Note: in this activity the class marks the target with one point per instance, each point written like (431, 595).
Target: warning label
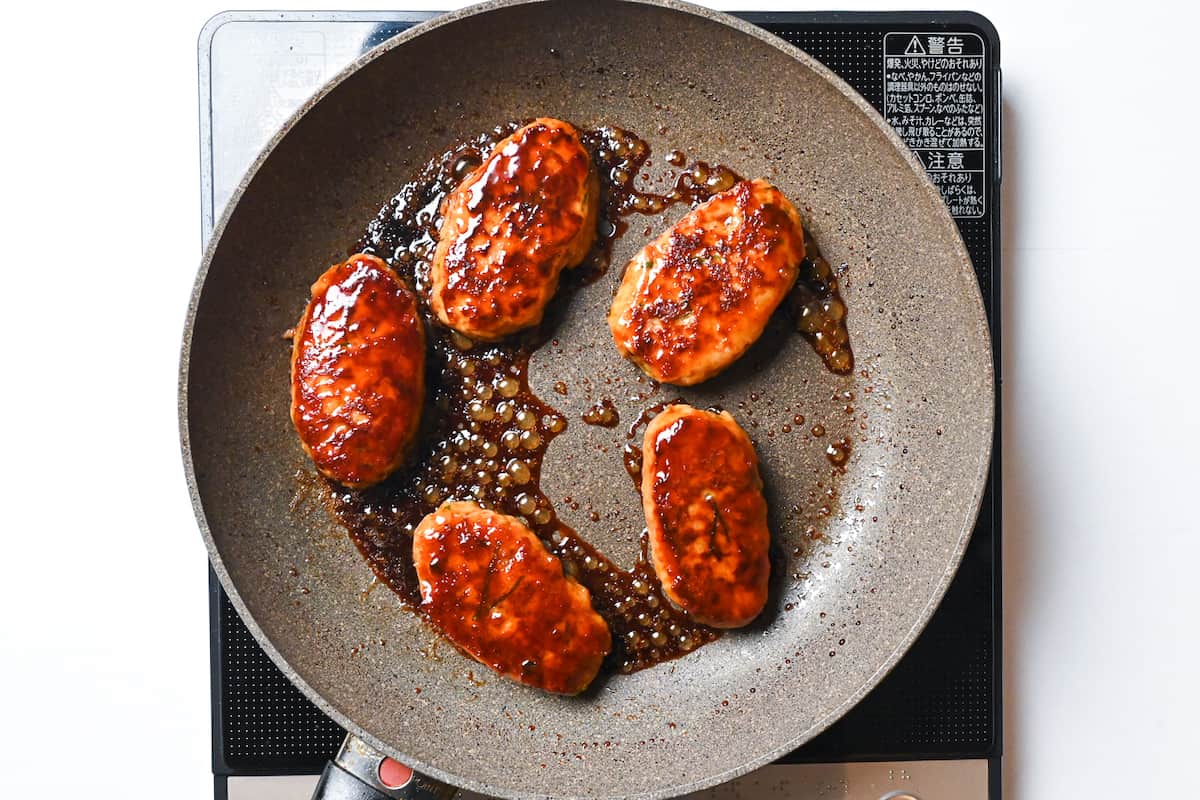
(933, 89)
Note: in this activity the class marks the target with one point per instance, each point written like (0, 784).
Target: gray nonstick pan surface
(864, 553)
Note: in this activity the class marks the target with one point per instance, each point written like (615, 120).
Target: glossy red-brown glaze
(358, 372)
(494, 590)
(468, 452)
(695, 299)
(820, 312)
(511, 227)
(706, 515)
(487, 433)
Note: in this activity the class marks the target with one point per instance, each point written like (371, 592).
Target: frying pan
(863, 554)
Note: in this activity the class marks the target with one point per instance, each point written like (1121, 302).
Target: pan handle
(360, 772)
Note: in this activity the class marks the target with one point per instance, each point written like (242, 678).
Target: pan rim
(980, 331)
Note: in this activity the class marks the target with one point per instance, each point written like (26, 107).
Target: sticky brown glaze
(495, 591)
(358, 372)
(695, 299)
(706, 515)
(820, 312)
(511, 227)
(488, 432)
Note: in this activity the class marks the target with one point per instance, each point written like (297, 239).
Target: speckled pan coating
(720, 90)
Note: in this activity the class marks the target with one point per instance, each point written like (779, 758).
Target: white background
(103, 644)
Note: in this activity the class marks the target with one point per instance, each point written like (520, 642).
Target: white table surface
(103, 645)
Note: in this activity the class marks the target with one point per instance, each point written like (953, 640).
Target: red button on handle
(393, 774)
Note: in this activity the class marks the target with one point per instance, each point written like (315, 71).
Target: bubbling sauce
(603, 414)
(631, 455)
(485, 433)
(819, 311)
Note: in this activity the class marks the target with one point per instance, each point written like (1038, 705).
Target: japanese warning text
(933, 96)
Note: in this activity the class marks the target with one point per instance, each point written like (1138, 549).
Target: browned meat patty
(706, 515)
(358, 372)
(695, 299)
(511, 227)
(494, 590)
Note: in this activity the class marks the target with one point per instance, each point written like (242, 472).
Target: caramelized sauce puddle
(485, 432)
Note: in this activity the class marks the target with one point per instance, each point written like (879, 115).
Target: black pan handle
(360, 772)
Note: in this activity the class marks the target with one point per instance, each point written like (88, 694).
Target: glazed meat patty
(706, 515)
(511, 227)
(358, 372)
(695, 299)
(494, 590)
